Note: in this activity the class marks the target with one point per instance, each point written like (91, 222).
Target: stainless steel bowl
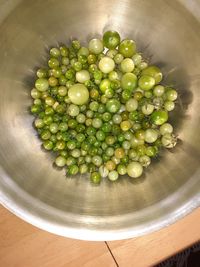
(168, 32)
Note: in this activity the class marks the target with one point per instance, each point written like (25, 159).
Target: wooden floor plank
(150, 249)
(23, 245)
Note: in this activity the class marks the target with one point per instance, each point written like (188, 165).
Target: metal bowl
(168, 33)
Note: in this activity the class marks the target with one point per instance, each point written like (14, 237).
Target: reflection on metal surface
(169, 35)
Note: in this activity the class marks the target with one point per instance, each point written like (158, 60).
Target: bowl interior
(166, 32)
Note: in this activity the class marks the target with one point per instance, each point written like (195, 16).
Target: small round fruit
(134, 169)
(127, 65)
(129, 81)
(95, 177)
(113, 105)
(159, 117)
(171, 95)
(111, 39)
(146, 82)
(41, 84)
(60, 161)
(166, 128)
(113, 175)
(127, 48)
(106, 64)
(169, 140)
(154, 72)
(131, 105)
(151, 136)
(95, 46)
(82, 76)
(78, 94)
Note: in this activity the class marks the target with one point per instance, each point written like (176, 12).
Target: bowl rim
(28, 208)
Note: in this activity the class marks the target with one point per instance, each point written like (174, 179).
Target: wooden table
(23, 245)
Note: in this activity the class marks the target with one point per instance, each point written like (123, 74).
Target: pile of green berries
(102, 109)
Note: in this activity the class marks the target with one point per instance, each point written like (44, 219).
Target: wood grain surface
(150, 249)
(23, 245)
